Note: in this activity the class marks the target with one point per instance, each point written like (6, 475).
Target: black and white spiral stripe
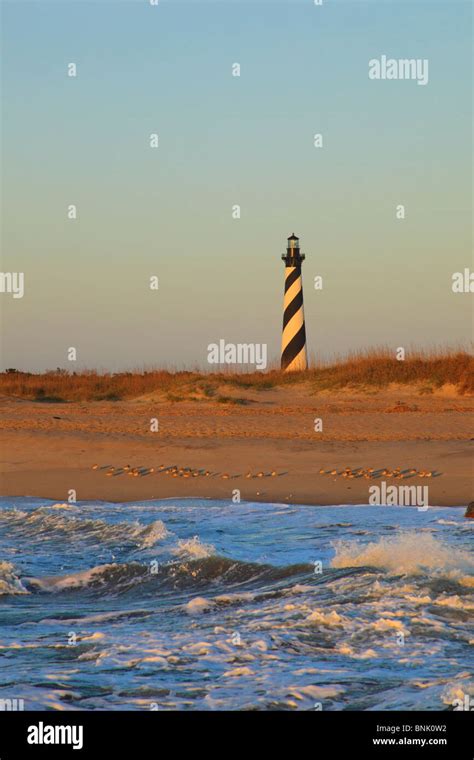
(293, 344)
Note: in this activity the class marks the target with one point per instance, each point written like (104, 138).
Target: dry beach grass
(376, 368)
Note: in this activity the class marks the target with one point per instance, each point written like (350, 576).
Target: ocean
(190, 604)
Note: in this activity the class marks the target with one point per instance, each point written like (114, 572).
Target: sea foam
(406, 553)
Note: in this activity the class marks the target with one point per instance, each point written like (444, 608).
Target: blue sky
(227, 140)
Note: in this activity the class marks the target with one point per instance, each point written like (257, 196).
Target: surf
(406, 553)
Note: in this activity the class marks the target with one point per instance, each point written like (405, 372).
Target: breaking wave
(120, 577)
(9, 581)
(39, 524)
(193, 548)
(407, 553)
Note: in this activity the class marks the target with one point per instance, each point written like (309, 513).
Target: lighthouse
(293, 341)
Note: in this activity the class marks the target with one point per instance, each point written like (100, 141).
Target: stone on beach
(470, 510)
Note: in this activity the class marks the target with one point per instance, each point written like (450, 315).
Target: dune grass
(375, 369)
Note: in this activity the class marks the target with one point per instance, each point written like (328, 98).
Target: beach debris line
(371, 473)
(349, 473)
(178, 472)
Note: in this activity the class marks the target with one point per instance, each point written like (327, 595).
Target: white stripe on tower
(293, 343)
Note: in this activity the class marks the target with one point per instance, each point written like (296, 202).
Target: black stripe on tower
(293, 307)
(292, 277)
(294, 347)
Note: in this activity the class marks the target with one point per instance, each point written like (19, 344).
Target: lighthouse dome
(293, 243)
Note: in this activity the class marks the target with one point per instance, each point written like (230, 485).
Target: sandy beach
(50, 448)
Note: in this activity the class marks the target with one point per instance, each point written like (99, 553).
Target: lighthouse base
(298, 364)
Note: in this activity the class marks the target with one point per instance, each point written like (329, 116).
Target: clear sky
(227, 140)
